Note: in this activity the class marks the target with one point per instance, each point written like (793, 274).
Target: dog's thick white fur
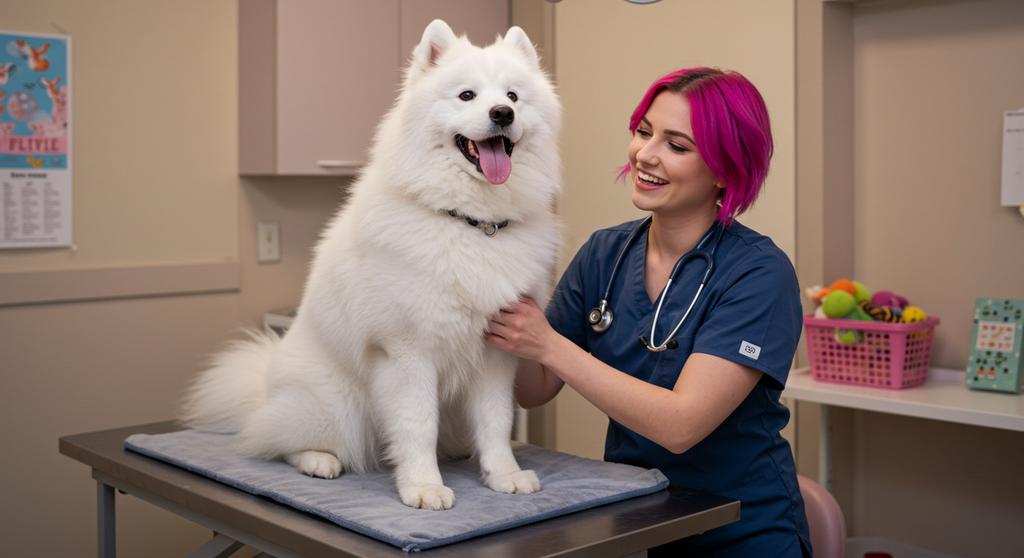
(386, 360)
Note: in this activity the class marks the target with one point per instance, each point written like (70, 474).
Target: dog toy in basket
(890, 299)
(882, 313)
(857, 337)
(817, 293)
(840, 304)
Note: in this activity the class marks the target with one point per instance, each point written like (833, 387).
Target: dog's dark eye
(467, 95)
(512, 95)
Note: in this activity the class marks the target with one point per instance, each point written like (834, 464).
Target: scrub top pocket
(670, 363)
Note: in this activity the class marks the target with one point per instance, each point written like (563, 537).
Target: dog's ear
(517, 38)
(437, 37)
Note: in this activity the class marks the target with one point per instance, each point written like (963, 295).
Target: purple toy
(890, 299)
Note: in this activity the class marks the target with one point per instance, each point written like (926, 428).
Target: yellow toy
(913, 314)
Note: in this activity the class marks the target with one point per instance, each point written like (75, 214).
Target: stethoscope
(600, 318)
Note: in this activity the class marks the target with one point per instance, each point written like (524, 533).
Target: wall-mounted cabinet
(316, 76)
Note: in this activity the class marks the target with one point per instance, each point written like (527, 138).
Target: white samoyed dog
(451, 220)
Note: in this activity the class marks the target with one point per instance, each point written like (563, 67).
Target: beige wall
(154, 122)
(606, 54)
(70, 368)
(154, 97)
(302, 206)
(909, 120)
(931, 82)
(824, 176)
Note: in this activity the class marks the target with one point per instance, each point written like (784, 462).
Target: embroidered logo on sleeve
(750, 350)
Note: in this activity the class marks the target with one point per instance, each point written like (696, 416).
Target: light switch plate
(268, 242)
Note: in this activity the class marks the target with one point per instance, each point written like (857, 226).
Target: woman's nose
(648, 153)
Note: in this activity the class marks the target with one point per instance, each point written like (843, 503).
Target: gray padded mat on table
(369, 504)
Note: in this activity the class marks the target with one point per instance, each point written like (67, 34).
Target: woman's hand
(523, 330)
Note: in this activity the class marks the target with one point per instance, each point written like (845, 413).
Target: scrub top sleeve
(567, 311)
(757, 320)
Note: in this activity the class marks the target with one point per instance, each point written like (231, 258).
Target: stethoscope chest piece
(600, 318)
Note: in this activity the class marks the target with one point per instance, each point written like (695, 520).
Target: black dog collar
(489, 227)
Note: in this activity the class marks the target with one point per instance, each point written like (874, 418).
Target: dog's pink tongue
(495, 163)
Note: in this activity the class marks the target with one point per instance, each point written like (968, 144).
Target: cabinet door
(338, 73)
(481, 20)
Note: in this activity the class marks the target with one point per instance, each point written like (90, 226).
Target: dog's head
(474, 129)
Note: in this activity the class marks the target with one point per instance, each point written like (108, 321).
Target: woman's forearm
(666, 417)
(535, 386)
(655, 413)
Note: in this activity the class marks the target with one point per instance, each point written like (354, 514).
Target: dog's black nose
(502, 115)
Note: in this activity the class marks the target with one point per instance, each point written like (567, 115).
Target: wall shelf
(942, 397)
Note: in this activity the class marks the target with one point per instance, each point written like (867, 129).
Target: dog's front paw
(316, 464)
(427, 496)
(518, 482)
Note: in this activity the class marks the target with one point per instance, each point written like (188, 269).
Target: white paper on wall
(1013, 158)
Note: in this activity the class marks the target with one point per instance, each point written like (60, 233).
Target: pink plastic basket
(885, 355)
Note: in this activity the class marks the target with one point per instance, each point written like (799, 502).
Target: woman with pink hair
(682, 326)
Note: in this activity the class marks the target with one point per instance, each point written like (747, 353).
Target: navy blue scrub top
(748, 313)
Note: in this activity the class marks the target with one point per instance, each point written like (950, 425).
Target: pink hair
(730, 126)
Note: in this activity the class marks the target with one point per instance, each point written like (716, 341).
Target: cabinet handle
(334, 164)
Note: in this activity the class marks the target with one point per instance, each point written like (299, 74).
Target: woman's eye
(467, 95)
(643, 133)
(677, 148)
(512, 95)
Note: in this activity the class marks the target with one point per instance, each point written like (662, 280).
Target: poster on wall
(35, 140)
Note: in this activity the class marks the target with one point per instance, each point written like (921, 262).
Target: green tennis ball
(847, 336)
(837, 304)
(863, 294)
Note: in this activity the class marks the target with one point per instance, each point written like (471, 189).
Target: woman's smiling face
(669, 175)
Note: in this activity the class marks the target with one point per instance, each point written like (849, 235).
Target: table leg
(106, 537)
(825, 448)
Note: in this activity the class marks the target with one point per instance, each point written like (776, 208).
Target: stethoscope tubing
(604, 314)
(657, 312)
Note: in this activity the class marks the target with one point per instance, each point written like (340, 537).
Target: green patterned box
(995, 363)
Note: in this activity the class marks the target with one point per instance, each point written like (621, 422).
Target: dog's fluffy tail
(225, 394)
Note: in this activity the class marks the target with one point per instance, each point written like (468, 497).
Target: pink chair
(824, 518)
